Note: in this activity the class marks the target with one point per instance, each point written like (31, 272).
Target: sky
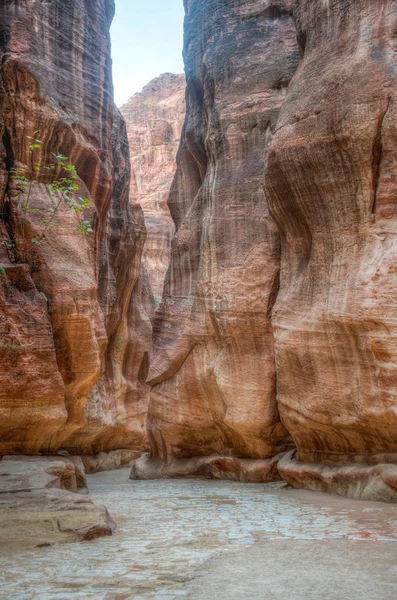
(147, 39)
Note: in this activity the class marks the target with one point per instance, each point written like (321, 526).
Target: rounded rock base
(208, 467)
(359, 482)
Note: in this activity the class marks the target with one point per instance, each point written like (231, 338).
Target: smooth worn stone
(38, 506)
(212, 368)
(47, 517)
(75, 319)
(25, 473)
(103, 461)
(331, 185)
(207, 467)
(361, 482)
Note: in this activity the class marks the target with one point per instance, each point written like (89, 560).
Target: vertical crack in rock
(377, 153)
(6, 230)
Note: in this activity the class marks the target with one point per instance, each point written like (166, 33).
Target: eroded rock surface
(374, 481)
(325, 209)
(208, 467)
(109, 461)
(330, 181)
(213, 362)
(154, 120)
(39, 506)
(74, 318)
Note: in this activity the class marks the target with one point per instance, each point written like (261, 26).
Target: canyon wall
(212, 368)
(279, 315)
(75, 327)
(276, 328)
(154, 120)
(330, 181)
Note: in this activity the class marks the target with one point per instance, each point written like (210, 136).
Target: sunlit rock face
(331, 184)
(154, 120)
(212, 369)
(74, 323)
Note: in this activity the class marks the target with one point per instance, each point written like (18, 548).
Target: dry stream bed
(219, 540)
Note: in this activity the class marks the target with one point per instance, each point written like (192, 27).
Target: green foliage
(63, 188)
(85, 228)
(3, 273)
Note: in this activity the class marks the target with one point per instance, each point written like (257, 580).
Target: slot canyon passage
(198, 306)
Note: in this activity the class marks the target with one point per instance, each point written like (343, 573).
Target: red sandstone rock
(212, 368)
(208, 467)
(29, 473)
(330, 181)
(376, 482)
(74, 335)
(117, 459)
(154, 120)
(75, 323)
(38, 506)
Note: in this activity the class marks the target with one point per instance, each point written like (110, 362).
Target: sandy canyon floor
(216, 540)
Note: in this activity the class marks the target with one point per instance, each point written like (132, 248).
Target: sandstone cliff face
(154, 120)
(331, 186)
(213, 362)
(74, 329)
(295, 160)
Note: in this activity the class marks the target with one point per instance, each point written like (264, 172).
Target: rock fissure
(377, 153)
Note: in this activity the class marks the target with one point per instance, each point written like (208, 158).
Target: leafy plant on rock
(63, 189)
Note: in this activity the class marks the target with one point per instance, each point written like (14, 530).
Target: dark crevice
(195, 91)
(273, 294)
(275, 12)
(9, 157)
(271, 13)
(301, 39)
(5, 206)
(4, 39)
(377, 155)
(280, 84)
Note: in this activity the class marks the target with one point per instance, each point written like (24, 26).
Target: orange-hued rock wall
(331, 184)
(278, 320)
(212, 368)
(154, 120)
(264, 331)
(75, 318)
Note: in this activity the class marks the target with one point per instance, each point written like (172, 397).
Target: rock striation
(74, 314)
(39, 505)
(274, 347)
(279, 315)
(212, 368)
(154, 120)
(330, 181)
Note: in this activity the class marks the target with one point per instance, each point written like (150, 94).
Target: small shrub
(64, 188)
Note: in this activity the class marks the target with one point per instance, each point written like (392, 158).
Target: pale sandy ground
(213, 540)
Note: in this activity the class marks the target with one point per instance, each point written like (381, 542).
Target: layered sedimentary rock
(154, 120)
(73, 315)
(39, 506)
(116, 459)
(212, 369)
(314, 185)
(232, 468)
(331, 186)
